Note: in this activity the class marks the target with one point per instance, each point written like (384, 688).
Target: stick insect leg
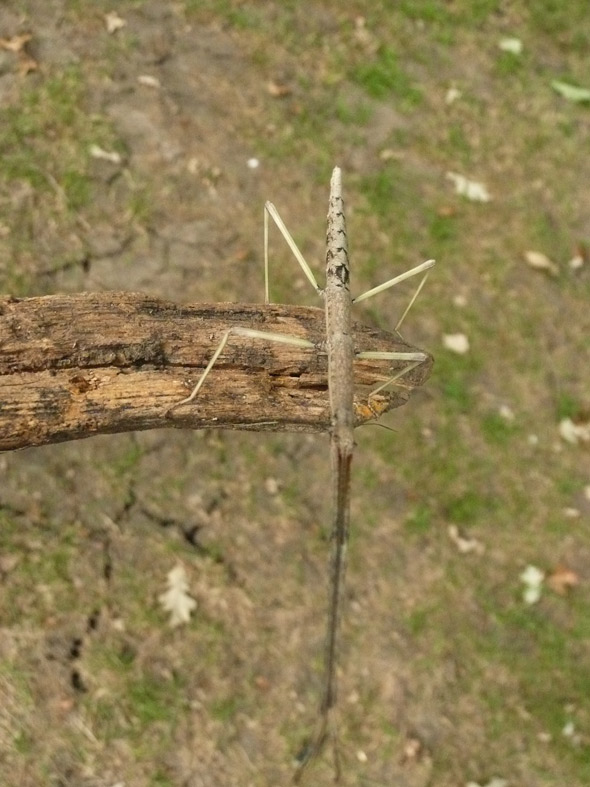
(415, 360)
(253, 334)
(424, 267)
(270, 210)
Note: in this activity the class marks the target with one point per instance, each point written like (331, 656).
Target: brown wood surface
(72, 366)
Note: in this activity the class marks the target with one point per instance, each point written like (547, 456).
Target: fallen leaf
(148, 81)
(16, 43)
(532, 578)
(364, 37)
(541, 262)
(105, 155)
(573, 93)
(176, 600)
(495, 782)
(465, 545)
(471, 189)
(510, 44)
(562, 580)
(572, 513)
(579, 258)
(412, 749)
(574, 433)
(452, 94)
(388, 154)
(262, 682)
(277, 90)
(506, 413)
(272, 486)
(27, 64)
(456, 343)
(113, 22)
(569, 731)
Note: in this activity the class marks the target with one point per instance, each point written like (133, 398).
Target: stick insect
(341, 355)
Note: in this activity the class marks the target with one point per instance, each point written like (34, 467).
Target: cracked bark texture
(72, 366)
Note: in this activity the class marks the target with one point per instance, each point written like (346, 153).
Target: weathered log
(72, 366)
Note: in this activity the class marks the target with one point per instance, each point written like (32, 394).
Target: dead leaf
(572, 513)
(27, 64)
(387, 154)
(532, 579)
(541, 262)
(113, 22)
(465, 545)
(562, 580)
(579, 95)
(573, 432)
(364, 37)
(471, 189)
(106, 155)
(412, 749)
(511, 44)
(579, 258)
(148, 81)
(262, 682)
(452, 94)
(496, 781)
(176, 600)
(506, 413)
(456, 343)
(278, 90)
(16, 43)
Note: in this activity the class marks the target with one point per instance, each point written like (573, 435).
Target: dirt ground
(446, 677)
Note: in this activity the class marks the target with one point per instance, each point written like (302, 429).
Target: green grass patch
(508, 65)
(419, 620)
(154, 699)
(567, 22)
(456, 392)
(44, 139)
(161, 779)
(466, 508)
(442, 231)
(419, 521)
(385, 76)
(496, 429)
(567, 406)
(353, 114)
(430, 11)
(458, 144)
(225, 708)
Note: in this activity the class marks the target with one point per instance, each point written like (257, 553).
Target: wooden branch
(72, 366)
